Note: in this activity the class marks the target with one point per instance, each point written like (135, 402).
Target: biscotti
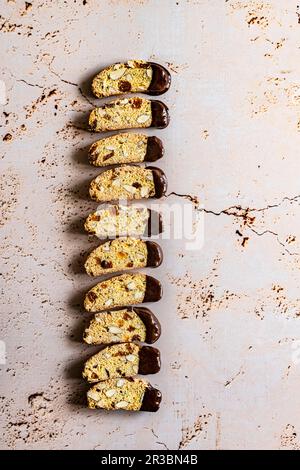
(124, 394)
(129, 113)
(123, 325)
(122, 360)
(123, 290)
(132, 76)
(119, 220)
(125, 148)
(122, 254)
(128, 182)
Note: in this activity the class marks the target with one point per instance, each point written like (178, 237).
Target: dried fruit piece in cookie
(126, 289)
(122, 360)
(123, 325)
(118, 220)
(129, 113)
(132, 76)
(125, 148)
(128, 182)
(123, 254)
(130, 394)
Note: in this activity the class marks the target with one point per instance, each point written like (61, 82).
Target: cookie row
(125, 327)
(129, 113)
(114, 367)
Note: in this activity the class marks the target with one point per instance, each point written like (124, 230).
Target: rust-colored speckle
(9, 27)
(197, 297)
(290, 239)
(176, 68)
(253, 19)
(9, 193)
(289, 438)
(195, 431)
(7, 138)
(205, 134)
(41, 100)
(26, 9)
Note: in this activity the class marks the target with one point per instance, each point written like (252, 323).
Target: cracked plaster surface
(230, 311)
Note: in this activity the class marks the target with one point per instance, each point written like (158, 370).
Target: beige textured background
(230, 377)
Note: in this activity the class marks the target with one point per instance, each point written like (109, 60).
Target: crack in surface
(237, 207)
(241, 212)
(85, 97)
(248, 221)
(260, 234)
(163, 444)
(34, 85)
(189, 197)
(229, 382)
(68, 82)
(244, 213)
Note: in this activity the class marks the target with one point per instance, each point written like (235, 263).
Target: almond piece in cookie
(122, 360)
(123, 254)
(129, 113)
(125, 148)
(126, 289)
(130, 394)
(136, 76)
(123, 325)
(128, 182)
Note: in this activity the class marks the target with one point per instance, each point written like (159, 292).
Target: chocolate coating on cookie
(160, 181)
(161, 80)
(155, 149)
(153, 291)
(149, 360)
(153, 328)
(154, 254)
(160, 114)
(151, 400)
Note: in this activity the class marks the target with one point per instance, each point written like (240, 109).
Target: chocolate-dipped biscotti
(126, 289)
(125, 148)
(135, 76)
(128, 182)
(129, 113)
(123, 325)
(122, 360)
(118, 220)
(123, 254)
(124, 394)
